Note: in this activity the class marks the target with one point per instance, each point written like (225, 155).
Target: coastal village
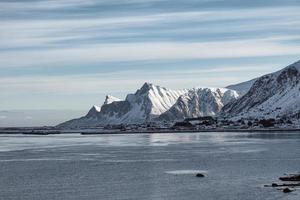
(206, 123)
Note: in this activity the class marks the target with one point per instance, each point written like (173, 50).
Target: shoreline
(36, 131)
(192, 131)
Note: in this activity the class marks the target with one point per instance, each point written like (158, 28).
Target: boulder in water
(200, 175)
(287, 190)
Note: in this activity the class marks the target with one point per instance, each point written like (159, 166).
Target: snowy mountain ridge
(273, 95)
(242, 88)
(109, 99)
(152, 102)
(199, 102)
(147, 103)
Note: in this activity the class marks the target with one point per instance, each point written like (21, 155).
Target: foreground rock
(287, 190)
(295, 177)
(283, 185)
(200, 175)
(294, 181)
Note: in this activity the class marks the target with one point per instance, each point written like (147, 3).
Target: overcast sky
(68, 54)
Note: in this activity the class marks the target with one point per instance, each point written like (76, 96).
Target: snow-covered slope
(147, 103)
(199, 102)
(242, 88)
(273, 95)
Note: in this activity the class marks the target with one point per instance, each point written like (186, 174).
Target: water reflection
(21, 142)
(270, 135)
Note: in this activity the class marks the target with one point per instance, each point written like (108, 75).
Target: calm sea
(147, 166)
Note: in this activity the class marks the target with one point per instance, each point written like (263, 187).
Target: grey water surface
(147, 166)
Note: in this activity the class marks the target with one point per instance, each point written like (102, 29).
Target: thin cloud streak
(99, 83)
(43, 5)
(147, 51)
(33, 32)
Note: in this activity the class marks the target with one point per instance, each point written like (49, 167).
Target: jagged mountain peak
(210, 89)
(109, 99)
(153, 99)
(96, 108)
(216, 91)
(147, 87)
(199, 102)
(93, 111)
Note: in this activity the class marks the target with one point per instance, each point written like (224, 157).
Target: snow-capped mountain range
(146, 104)
(273, 95)
(200, 102)
(152, 103)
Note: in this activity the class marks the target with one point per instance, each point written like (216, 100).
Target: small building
(205, 120)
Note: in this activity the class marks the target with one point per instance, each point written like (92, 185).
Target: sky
(66, 55)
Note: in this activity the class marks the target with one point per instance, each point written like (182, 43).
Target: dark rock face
(144, 89)
(93, 112)
(289, 76)
(117, 108)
